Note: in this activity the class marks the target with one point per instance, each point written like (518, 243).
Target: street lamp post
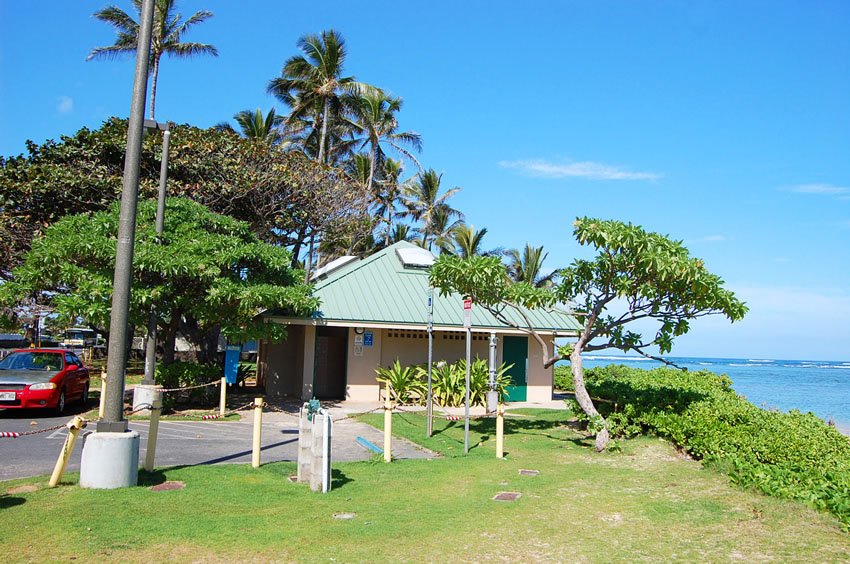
(150, 345)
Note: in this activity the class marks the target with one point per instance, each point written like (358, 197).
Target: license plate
(7, 396)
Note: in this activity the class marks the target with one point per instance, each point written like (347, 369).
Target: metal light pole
(492, 394)
(113, 420)
(467, 322)
(430, 409)
(150, 345)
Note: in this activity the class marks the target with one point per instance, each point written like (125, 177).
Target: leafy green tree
(283, 196)
(255, 125)
(166, 37)
(635, 276)
(312, 85)
(386, 197)
(423, 202)
(207, 272)
(374, 121)
(527, 266)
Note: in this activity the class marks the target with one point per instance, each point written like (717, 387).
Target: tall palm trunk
(372, 156)
(154, 76)
(323, 137)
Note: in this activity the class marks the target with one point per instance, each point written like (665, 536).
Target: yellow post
(258, 429)
(102, 393)
(388, 427)
(500, 431)
(153, 430)
(222, 403)
(74, 427)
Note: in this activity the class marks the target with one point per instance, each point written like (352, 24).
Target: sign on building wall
(368, 338)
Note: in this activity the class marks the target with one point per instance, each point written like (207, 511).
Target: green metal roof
(380, 289)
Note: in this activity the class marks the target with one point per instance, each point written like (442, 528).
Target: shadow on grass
(339, 479)
(11, 501)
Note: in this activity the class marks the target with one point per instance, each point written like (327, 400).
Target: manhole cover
(507, 496)
(345, 515)
(293, 479)
(168, 486)
(529, 472)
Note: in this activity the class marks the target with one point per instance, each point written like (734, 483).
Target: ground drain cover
(168, 486)
(293, 479)
(529, 472)
(507, 496)
(345, 515)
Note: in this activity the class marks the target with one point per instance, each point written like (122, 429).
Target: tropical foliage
(793, 455)
(166, 37)
(207, 274)
(651, 277)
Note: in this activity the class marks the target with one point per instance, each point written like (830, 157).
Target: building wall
(289, 375)
(539, 379)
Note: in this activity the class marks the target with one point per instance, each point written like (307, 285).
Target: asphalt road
(186, 442)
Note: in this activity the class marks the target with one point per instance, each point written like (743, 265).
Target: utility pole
(113, 420)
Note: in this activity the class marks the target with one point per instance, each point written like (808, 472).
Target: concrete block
(110, 460)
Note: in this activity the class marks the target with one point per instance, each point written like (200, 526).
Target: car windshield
(32, 361)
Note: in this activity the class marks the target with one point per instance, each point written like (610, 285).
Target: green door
(515, 351)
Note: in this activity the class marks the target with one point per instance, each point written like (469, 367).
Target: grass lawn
(644, 503)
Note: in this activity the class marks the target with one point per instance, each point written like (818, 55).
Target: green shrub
(404, 383)
(792, 455)
(563, 378)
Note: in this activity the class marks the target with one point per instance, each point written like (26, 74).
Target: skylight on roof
(335, 264)
(415, 257)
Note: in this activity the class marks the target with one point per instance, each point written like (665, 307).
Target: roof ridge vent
(333, 266)
(415, 257)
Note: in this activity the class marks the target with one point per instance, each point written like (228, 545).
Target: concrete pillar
(309, 362)
(110, 460)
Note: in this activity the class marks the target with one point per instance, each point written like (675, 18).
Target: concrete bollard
(153, 430)
(258, 430)
(223, 403)
(305, 443)
(102, 393)
(500, 431)
(388, 428)
(74, 427)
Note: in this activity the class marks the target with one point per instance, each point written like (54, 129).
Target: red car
(42, 378)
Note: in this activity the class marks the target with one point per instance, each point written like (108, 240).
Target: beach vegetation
(636, 275)
(791, 455)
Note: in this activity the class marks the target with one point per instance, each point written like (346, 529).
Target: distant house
(374, 311)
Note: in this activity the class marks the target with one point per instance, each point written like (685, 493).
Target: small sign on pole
(467, 312)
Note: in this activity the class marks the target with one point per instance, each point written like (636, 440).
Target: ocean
(821, 387)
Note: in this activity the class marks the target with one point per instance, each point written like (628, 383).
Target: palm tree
(441, 228)
(386, 195)
(401, 232)
(528, 265)
(467, 241)
(253, 125)
(374, 120)
(167, 31)
(422, 200)
(312, 84)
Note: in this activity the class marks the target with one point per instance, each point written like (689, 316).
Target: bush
(792, 455)
(404, 383)
(185, 374)
(448, 382)
(563, 378)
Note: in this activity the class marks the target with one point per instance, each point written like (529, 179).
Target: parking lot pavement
(189, 442)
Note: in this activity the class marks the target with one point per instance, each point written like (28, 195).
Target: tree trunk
(296, 248)
(372, 158)
(169, 340)
(584, 401)
(308, 264)
(324, 134)
(154, 76)
(208, 353)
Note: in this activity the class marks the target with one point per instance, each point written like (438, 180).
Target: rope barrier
(15, 435)
(208, 384)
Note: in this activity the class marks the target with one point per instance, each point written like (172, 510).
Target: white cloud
(65, 105)
(585, 169)
(821, 189)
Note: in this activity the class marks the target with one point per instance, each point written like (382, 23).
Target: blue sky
(724, 124)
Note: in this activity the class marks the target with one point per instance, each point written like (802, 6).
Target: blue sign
(231, 362)
(368, 337)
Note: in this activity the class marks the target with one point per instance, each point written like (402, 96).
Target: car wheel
(60, 405)
(84, 399)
